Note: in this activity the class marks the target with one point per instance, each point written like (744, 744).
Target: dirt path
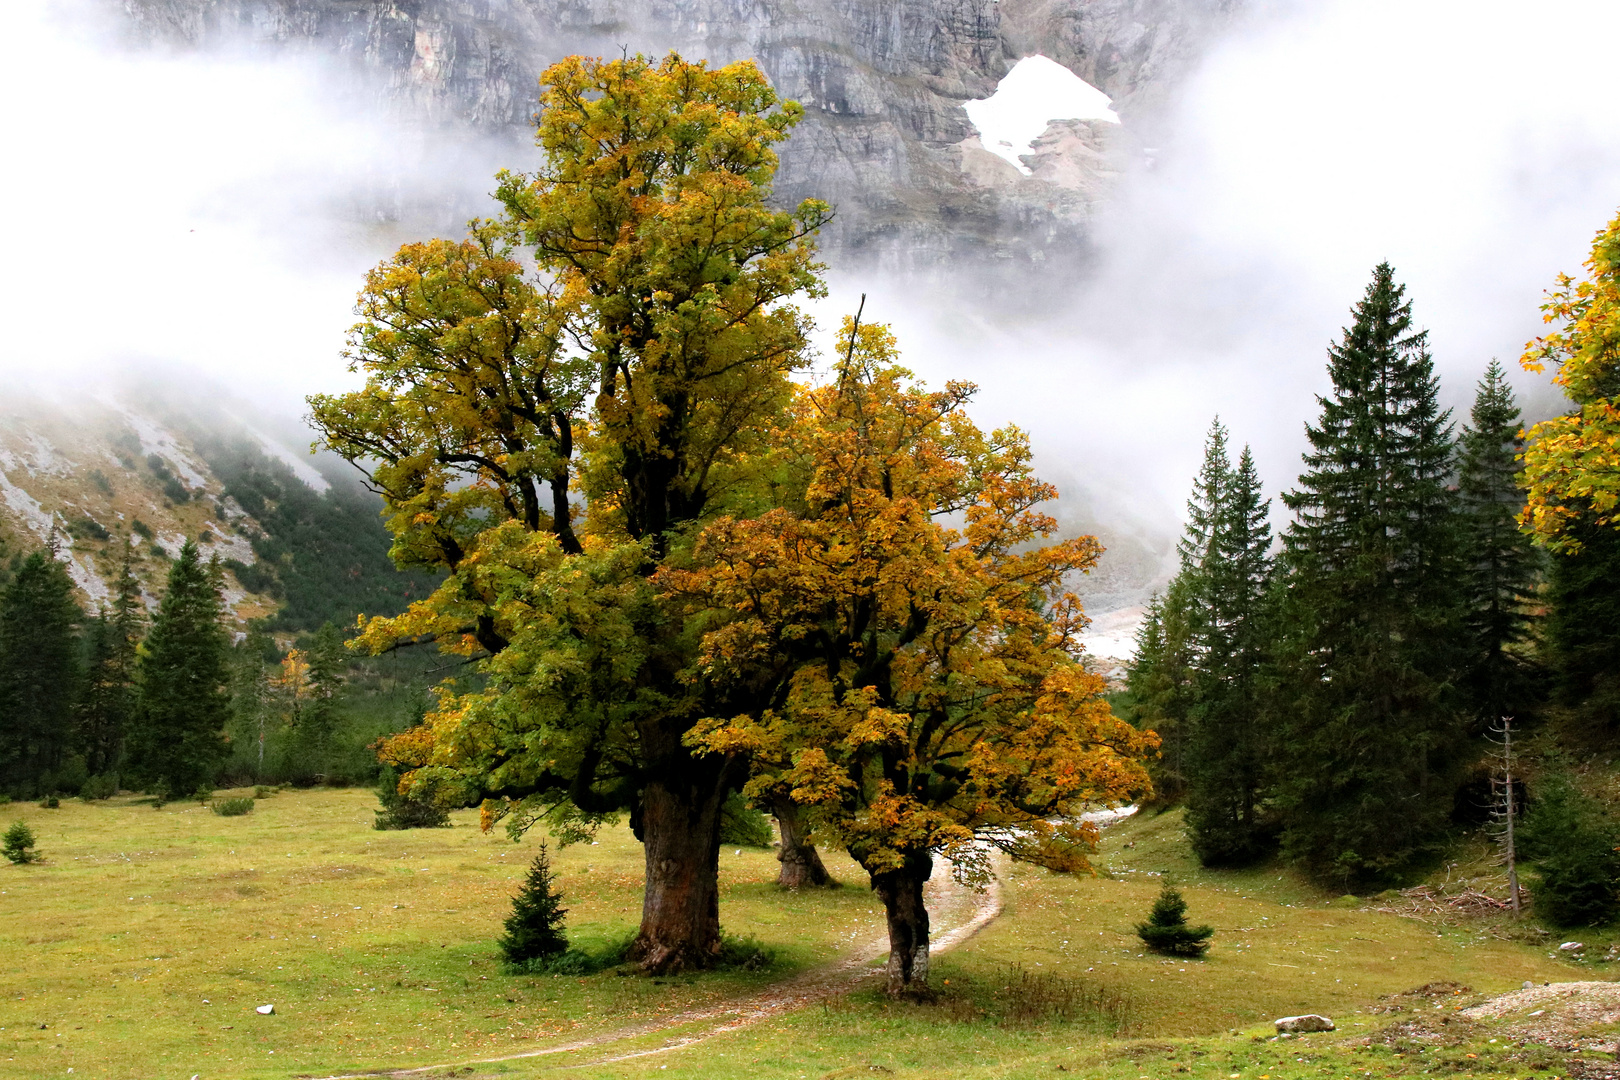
(963, 911)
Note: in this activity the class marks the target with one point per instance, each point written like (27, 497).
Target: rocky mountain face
(95, 478)
(885, 138)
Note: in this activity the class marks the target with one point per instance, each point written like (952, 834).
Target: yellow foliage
(1572, 465)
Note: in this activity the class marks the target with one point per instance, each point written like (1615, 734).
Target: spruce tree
(1502, 565)
(183, 699)
(1166, 931)
(1373, 741)
(1159, 684)
(107, 702)
(39, 673)
(1230, 737)
(534, 930)
(1583, 634)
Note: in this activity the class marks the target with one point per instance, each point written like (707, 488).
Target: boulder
(1308, 1022)
(265, 1010)
(1572, 946)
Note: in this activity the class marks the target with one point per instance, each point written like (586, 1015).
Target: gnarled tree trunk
(801, 862)
(901, 891)
(679, 827)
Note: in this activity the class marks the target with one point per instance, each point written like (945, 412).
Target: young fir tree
(18, 844)
(1374, 737)
(39, 673)
(1166, 931)
(534, 930)
(1502, 564)
(1229, 742)
(1583, 633)
(107, 701)
(183, 700)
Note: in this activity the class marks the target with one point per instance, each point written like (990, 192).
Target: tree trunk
(679, 826)
(901, 891)
(801, 862)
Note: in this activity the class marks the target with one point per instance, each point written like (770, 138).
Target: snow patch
(1035, 92)
(300, 466)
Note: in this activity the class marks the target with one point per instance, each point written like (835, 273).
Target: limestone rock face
(885, 139)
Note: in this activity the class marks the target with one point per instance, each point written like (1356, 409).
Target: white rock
(1308, 1022)
(1571, 946)
(1528, 984)
(265, 1010)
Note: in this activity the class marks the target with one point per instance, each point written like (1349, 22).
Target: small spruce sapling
(534, 930)
(1166, 930)
(18, 845)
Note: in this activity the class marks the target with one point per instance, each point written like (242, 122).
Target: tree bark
(801, 862)
(901, 891)
(679, 826)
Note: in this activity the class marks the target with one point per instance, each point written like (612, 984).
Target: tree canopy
(1572, 465)
(636, 365)
(920, 683)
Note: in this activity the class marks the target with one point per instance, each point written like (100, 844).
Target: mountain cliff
(91, 477)
(884, 139)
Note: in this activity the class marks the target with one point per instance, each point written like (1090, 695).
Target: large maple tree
(905, 623)
(549, 433)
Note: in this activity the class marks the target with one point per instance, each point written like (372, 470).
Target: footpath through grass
(148, 937)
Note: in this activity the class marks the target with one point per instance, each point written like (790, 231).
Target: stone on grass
(265, 1010)
(1308, 1022)
(1572, 946)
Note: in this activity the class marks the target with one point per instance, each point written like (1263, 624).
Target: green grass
(147, 937)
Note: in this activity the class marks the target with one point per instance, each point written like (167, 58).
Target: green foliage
(534, 930)
(142, 529)
(742, 825)
(18, 844)
(39, 673)
(421, 806)
(1223, 588)
(1166, 930)
(1583, 633)
(183, 700)
(1372, 618)
(50, 802)
(324, 555)
(1569, 839)
(577, 960)
(106, 703)
(103, 786)
(232, 807)
(1160, 686)
(1503, 566)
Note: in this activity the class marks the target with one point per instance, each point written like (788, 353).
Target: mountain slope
(91, 476)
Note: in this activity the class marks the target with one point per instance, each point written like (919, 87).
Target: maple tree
(1572, 463)
(550, 435)
(919, 684)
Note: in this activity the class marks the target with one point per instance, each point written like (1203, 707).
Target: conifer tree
(39, 672)
(108, 698)
(1160, 684)
(1372, 556)
(183, 700)
(1501, 561)
(534, 930)
(1230, 738)
(1166, 930)
(1583, 632)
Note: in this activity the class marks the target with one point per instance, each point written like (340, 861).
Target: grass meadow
(144, 942)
